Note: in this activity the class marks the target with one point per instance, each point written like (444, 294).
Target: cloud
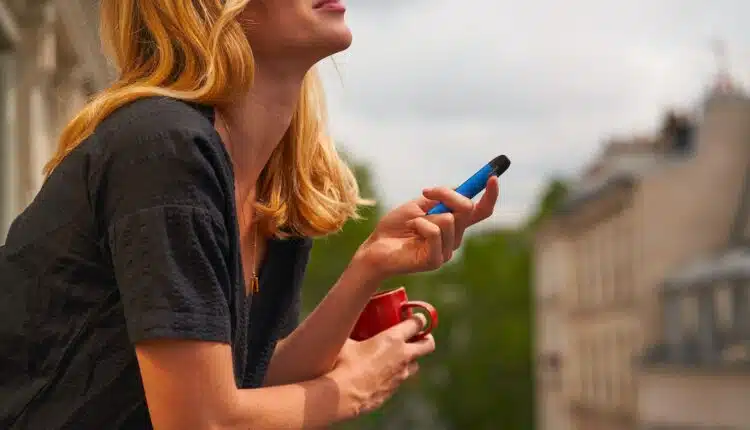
(432, 90)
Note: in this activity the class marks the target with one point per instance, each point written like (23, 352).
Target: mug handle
(429, 310)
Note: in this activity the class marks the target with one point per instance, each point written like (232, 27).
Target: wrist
(350, 401)
(365, 267)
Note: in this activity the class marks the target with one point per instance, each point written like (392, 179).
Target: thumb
(408, 328)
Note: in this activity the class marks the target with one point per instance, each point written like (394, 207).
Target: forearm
(314, 404)
(322, 334)
(191, 385)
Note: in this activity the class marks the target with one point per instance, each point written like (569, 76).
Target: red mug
(386, 309)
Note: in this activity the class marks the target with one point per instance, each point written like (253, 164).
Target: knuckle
(434, 231)
(392, 338)
(483, 215)
(400, 350)
(403, 362)
(430, 343)
(449, 219)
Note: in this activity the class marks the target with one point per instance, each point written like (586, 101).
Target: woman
(154, 280)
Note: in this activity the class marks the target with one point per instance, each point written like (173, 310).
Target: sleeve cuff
(171, 325)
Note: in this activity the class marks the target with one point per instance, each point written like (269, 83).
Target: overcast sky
(433, 89)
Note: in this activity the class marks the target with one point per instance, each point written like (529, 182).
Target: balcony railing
(731, 351)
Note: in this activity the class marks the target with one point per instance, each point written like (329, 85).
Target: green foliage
(551, 198)
(331, 254)
(481, 375)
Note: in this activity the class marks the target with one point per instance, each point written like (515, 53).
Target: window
(689, 315)
(741, 310)
(723, 307)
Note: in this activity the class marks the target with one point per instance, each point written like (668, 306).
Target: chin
(336, 39)
(343, 41)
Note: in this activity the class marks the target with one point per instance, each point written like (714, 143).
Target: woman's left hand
(407, 241)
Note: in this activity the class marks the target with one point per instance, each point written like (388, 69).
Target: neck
(253, 124)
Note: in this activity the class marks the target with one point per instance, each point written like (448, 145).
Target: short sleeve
(162, 201)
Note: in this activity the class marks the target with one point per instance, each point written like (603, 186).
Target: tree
(552, 197)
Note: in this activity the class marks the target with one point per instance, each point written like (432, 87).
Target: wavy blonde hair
(196, 50)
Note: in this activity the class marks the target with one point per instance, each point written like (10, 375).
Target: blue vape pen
(475, 184)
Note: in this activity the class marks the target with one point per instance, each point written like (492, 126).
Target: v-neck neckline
(270, 243)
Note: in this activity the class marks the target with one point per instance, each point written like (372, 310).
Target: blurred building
(643, 281)
(50, 62)
(698, 374)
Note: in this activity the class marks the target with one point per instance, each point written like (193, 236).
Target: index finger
(450, 198)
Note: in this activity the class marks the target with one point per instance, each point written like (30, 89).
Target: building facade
(50, 63)
(647, 210)
(698, 375)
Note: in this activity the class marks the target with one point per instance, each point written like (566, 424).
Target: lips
(326, 3)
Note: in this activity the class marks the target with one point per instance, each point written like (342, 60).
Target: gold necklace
(254, 286)
(254, 282)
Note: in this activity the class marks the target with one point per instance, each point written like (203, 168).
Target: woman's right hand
(369, 372)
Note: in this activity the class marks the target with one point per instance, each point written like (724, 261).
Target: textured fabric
(133, 237)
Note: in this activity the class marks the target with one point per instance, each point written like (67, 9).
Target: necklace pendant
(254, 285)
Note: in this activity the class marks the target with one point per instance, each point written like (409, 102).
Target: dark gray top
(134, 236)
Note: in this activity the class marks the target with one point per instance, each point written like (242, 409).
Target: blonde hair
(196, 50)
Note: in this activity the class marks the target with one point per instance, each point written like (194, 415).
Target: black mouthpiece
(500, 164)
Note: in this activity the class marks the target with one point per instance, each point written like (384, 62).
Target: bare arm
(190, 384)
(197, 379)
(404, 242)
(323, 333)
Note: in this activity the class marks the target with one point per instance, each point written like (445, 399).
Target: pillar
(9, 48)
(35, 67)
